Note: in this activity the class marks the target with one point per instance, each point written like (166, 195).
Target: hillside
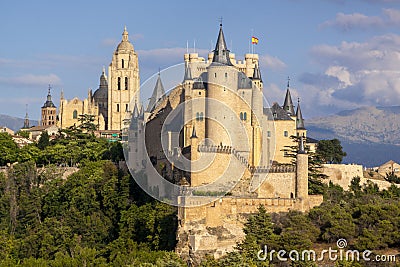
(14, 123)
(370, 135)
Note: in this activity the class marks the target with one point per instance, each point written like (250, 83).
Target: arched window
(117, 107)
(285, 133)
(245, 116)
(126, 108)
(241, 116)
(75, 114)
(197, 116)
(126, 83)
(201, 116)
(119, 83)
(122, 63)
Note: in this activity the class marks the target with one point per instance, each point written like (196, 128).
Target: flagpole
(252, 45)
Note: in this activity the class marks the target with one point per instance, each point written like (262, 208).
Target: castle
(212, 136)
(219, 150)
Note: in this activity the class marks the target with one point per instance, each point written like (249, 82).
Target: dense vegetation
(365, 216)
(96, 217)
(100, 217)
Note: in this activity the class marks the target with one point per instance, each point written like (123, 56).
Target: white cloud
(356, 74)
(271, 62)
(388, 18)
(348, 22)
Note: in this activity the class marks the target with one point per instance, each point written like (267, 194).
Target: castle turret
(288, 104)
(300, 128)
(222, 84)
(302, 171)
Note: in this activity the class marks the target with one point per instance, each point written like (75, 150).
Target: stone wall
(215, 228)
(342, 174)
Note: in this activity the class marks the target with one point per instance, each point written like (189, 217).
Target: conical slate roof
(288, 104)
(299, 118)
(158, 93)
(221, 52)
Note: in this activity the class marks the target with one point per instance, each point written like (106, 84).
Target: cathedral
(110, 104)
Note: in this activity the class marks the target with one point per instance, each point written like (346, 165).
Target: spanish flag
(254, 40)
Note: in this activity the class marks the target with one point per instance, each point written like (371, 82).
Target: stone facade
(218, 118)
(111, 102)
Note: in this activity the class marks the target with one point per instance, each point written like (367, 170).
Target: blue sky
(340, 54)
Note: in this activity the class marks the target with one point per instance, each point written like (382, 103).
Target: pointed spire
(125, 34)
(49, 94)
(299, 117)
(221, 52)
(26, 120)
(301, 146)
(188, 72)
(288, 104)
(158, 93)
(135, 113)
(141, 112)
(62, 94)
(194, 135)
(103, 79)
(49, 102)
(257, 73)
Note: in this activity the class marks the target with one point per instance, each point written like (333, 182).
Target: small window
(199, 93)
(241, 116)
(201, 116)
(119, 83)
(75, 114)
(245, 116)
(117, 107)
(126, 83)
(126, 108)
(122, 63)
(226, 75)
(268, 133)
(285, 133)
(215, 75)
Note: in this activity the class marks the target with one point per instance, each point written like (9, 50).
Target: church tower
(123, 83)
(48, 111)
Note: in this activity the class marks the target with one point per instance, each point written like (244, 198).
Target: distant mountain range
(369, 135)
(14, 123)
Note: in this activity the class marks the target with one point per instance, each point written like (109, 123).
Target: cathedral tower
(48, 111)
(123, 83)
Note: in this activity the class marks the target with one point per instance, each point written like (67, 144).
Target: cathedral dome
(101, 92)
(125, 45)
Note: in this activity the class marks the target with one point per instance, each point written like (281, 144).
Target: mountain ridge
(14, 123)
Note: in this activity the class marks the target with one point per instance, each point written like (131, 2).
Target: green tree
(87, 122)
(8, 149)
(44, 140)
(259, 231)
(330, 151)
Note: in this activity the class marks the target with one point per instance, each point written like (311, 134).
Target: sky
(339, 54)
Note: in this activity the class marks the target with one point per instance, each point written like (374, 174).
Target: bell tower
(123, 83)
(48, 111)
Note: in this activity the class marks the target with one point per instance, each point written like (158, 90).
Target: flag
(254, 40)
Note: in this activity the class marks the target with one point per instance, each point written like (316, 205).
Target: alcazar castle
(211, 133)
